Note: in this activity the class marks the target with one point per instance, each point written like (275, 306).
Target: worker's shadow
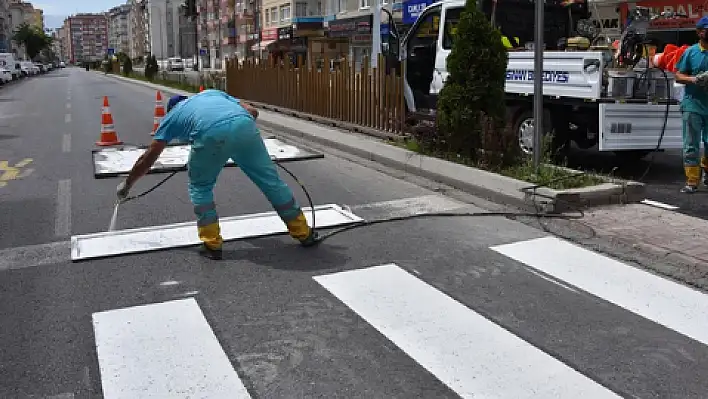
(284, 254)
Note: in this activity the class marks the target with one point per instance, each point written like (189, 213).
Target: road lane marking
(62, 224)
(66, 143)
(162, 350)
(15, 172)
(67, 118)
(659, 204)
(665, 302)
(68, 105)
(470, 354)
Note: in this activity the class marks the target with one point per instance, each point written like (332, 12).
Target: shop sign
(412, 9)
(694, 9)
(269, 34)
(308, 29)
(285, 33)
(351, 26)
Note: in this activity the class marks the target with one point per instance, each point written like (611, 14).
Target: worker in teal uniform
(218, 127)
(692, 71)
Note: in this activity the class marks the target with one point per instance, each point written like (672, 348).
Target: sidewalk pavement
(665, 234)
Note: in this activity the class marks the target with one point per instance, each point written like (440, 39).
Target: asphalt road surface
(423, 308)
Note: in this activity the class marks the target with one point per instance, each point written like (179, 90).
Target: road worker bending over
(218, 127)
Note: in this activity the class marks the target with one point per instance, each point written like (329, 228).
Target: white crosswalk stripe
(169, 350)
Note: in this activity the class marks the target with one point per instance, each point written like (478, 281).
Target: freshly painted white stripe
(665, 302)
(62, 224)
(67, 118)
(35, 255)
(411, 206)
(66, 143)
(176, 235)
(473, 356)
(162, 350)
(68, 105)
(659, 204)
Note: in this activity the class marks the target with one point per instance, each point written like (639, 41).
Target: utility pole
(538, 85)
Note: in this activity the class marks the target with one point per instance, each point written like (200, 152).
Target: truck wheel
(523, 126)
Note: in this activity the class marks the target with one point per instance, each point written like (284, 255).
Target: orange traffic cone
(108, 130)
(159, 113)
(201, 88)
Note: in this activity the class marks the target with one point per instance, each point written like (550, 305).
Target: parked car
(5, 75)
(175, 64)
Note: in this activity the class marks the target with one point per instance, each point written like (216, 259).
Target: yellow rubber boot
(298, 227)
(211, 236)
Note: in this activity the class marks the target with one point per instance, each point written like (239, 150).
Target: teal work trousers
(239, 140)
(695, 132)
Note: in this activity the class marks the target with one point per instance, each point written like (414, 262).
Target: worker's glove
(122, 191)
(702, 79)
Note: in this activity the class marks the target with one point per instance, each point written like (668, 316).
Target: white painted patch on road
(411, 206)
(665, 302)
(68, 105)
(162, 350)
(470, 354)
(66, 143)
(67, 118)
(659, 204)
(35, 255)
(177, 235)
(62, 223)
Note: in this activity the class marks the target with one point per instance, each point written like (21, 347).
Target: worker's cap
(702, 23)
(173, 101)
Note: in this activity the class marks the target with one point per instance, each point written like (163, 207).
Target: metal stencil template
(113, 162)
(153, 238)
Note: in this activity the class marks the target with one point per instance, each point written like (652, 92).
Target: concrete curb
(491, 186)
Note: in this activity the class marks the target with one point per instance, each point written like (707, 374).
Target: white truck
(578, 104)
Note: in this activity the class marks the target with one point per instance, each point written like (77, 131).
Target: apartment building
(164, 27)
(119, 29)
(139, 25)
(20, 12)
(59, 44)
(5, 26)
(37, 18)
(87, 37)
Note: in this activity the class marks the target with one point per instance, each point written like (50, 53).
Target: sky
(56, 10)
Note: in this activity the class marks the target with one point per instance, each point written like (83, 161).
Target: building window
(274, 15)
(285, 12)
(267, 18)
(364, 4)
(342, 5)
(300, 9)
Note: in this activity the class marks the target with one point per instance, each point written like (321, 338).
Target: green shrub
(471, 113)
(127, 66)
(151, 67)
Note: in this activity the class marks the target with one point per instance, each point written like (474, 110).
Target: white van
(7, 60)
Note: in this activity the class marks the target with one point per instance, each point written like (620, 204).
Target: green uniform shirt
(694, 61)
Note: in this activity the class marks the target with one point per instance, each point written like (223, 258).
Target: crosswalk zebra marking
(470, 354)
(660, 300)
(162, 350)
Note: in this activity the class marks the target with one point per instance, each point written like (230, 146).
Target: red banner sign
(694, 9)
(269, 34)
